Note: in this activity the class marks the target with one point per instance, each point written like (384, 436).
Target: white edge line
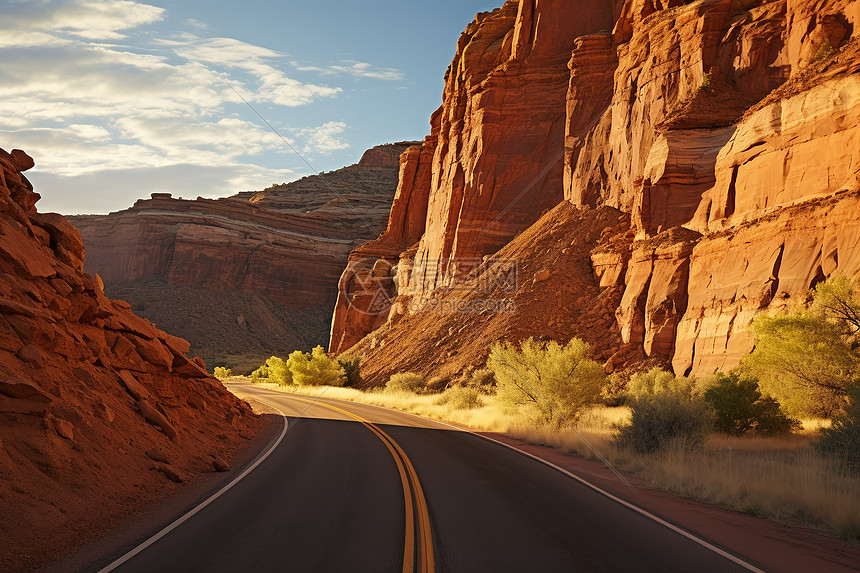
(149, 542)
(637, 509)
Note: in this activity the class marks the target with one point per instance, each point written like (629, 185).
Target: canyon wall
(725, 131)
(251, 275)
(99, 410)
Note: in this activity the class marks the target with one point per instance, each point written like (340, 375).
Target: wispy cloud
(324, 138)
(98, 86)
(353, 68)
(90, 19)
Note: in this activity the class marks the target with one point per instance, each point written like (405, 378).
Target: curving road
(353, 487)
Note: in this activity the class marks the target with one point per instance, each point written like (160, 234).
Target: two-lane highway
(353, 487)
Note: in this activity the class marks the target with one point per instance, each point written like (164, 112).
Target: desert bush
(825, 50)
(260, 374)
(405, 382)
(279, 371)
(352, 370)
(222, 373)
(842, 439)
(483, 380)
(436, 385)
(460, 398)
(739, 407)
(658, 381)
(807, 359)
(706, 80)
(665, 420)
(548, 382)
(315, 368)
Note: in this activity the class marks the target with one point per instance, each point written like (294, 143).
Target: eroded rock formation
(86, 388)
(279, 252)
(727, 130)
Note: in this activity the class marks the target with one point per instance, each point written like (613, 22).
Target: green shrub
(315, 368)
(352, 370)
(664, 420)
(739, 407)
(808, 358)
(483, 380)
(408, 382)
(460, 398)
(706, 81)
(260, 374)
(547, 382)
(825, 50)
(842, 439)
(222, 373)
(658, 381)
(436, 385)
(279, 372)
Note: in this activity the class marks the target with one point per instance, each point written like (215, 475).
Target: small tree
(279, 372)
(222, 373)
(315, 368)
(739, 407)
(664, 420)
(260, 374)
(842, 438)
(352, 369)
(808, 358)
(665, 412)
(550, 382)
(658, 381)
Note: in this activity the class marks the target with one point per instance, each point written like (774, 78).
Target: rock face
(86, 388)
(278, 253)
(726, 130)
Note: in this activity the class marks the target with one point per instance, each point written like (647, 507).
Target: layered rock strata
(86, 389)
(279, 251)
(727, 130)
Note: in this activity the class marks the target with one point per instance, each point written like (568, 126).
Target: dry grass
(777, 478)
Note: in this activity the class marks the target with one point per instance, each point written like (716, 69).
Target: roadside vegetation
(778, 437)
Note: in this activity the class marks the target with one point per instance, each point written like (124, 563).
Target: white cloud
(90, 19)
(353, 68)
(275, 86)
(323, 139)
(109, 113)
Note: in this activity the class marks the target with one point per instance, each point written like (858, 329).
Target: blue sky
(116, 99)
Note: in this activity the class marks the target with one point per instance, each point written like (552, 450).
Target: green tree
(658, 381)
(279, 372)
(842, 438)
(807, 359)
(550, 382)
(315, 368)
(352, 369)
(739, 407)
(261, 373)
(222, 372)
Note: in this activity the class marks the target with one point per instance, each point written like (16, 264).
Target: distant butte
(251, 275)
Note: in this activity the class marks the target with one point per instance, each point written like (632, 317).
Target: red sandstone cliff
(252, 275)
(724, 132)
(86, 389)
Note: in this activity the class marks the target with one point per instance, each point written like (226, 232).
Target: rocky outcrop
(711, 123)
(279, 252)
(86, 388)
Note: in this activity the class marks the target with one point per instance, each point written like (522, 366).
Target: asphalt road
(354, 487)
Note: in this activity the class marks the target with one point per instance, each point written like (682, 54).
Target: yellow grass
(778, 478)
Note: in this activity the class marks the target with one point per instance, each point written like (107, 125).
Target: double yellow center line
(411, 487)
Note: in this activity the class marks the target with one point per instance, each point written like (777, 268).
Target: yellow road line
(426, 561)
